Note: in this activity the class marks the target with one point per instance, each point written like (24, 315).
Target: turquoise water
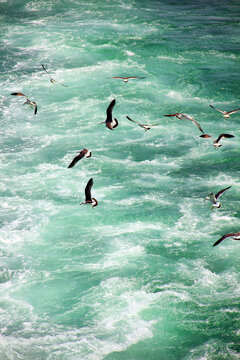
(135, 277)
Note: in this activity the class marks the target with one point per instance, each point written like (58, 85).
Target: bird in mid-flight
(29, 102)
(81, 154)
(144, 126)
(226, 114)
(51, 79)
(88, 197)
(126, 78)
(216, 142)
(182, 116)
(235, 236)
(213, 198)
(110, 122)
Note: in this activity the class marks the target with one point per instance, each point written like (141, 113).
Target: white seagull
(51, 79)
(81, 154)
(126, 78)
(226, 114)
(213, 198)
(29, 102)
(144, 126)
(235, 236)
(182, 116)
(88, 197)
(110, 122)
(216, 142)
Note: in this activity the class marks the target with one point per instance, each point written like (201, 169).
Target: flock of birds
(111, 123)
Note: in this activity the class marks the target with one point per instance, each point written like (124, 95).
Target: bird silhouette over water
(110, 122)
(213, 198)
(144, 126)
(182, 116)
(126, 78)
(81, 154)
(216, 143)
(235, 236)
(88, 197)
(226, 114)
(51, 79)
(28, 102)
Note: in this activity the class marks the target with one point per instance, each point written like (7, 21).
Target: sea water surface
(135, 277)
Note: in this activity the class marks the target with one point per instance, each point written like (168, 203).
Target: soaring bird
(88, 197)
(226, 114)
(110, 122)
(187, 117)
(29, 102)
(213, 198)
(126, 78)
(144, 126)
(80, 155)
(236, 236)
(216, 142)
(51, 79)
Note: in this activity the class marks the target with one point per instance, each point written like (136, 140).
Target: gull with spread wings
(213, 198)
(182, 116)
(110, 122)
(216, 142)
(126, 78)
(226, 114)
(144, 126)
(88, 197)
(28, 102)
(81, 154)
(51, 79)
(235, 236)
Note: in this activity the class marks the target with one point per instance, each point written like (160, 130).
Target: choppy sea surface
(135, 277)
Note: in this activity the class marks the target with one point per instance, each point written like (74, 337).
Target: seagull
(126, 78)
(88, 197)
(29, 102)
(187, 117)
(213, 198)
(226, 114)
(81, 153)
(144, 126)
(51, 79)
(236, 236)
(216, 142)
(110, 122)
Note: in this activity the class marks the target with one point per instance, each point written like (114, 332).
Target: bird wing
(118, 77)
(135, 77)
(233, 111)
(221, 111)
(88, 188)
(109, 110)
(224, 136)
(115, 123)
(221, 192)
(173, 114)
(197, 124)
(206, 136)
(45, 70)
(35, 109)
(78, 157)
(55, 81)
(18, 94)
(225, 236)
(133, 120)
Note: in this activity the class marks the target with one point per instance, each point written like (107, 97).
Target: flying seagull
(80, 155)
(51, 79)
(29, 102)
(226, 114)
(126, 78)
(187, 117)
(216, 142)
(236, 236)
(110, 122)
(88, 197)
(144, 126)
(213, 198)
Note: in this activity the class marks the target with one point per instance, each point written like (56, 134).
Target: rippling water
(136, 277)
